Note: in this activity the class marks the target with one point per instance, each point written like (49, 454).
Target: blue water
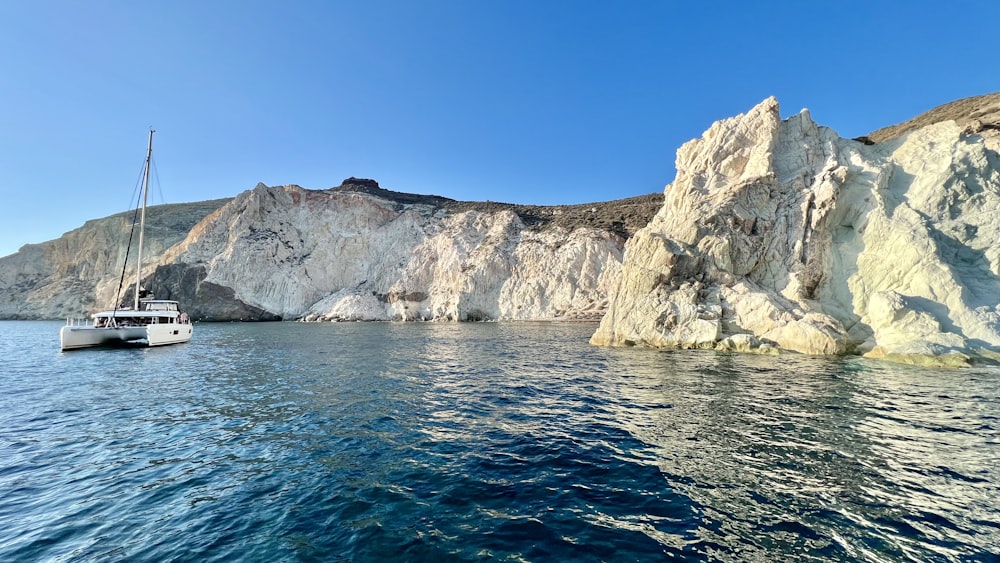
(485, 442)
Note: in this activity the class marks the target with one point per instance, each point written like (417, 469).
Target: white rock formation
(816, 244)
(343, 255)
(776, 234)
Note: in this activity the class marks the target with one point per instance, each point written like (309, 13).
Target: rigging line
(135, 190)
(128, 249)
(138, 181)
(156, 177)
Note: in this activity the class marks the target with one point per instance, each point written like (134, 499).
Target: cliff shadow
(896, 189)
(202, 300)
(970, 267)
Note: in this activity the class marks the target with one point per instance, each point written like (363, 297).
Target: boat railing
(76, 321)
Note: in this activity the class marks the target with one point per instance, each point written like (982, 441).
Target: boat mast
(142, 216)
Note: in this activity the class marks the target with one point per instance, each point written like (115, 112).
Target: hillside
(776, 235)
(79, 272)
(975, 115)
(621, 216)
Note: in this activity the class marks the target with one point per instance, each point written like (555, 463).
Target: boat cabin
(151, 312)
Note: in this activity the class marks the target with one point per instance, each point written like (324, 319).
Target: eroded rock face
(775, 235)
(786, 232)
(355, 252)
(290, 253)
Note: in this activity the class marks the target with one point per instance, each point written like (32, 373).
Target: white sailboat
(150, 322)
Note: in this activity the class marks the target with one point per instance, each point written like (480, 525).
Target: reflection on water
(474, 442)
(835, 458)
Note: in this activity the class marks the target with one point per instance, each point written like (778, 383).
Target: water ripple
(485, 442)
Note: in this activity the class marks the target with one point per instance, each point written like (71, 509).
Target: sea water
(485, 442)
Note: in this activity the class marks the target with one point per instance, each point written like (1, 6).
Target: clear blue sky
(523, 101)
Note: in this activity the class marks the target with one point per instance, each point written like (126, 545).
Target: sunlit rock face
(355, 252)
(808, 242)
(320, 255)
(80, 271)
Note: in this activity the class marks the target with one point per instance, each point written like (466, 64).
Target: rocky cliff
(355, 252)
(80, 271)
(779, 234)
(358, 252)
(775, 235)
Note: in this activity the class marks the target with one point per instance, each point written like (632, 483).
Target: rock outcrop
(355, 252)
(776, 235)
(366, 254)
(780, 234)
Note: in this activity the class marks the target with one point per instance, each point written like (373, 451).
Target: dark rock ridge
(622, 216)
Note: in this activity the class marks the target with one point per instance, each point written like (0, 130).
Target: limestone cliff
(370, 254)
(355, 252)
(778, 234)
(775, 235)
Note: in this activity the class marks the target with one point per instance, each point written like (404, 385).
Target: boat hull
(76, 337)
(163, 334)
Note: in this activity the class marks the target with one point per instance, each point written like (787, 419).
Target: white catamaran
(152, 322)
